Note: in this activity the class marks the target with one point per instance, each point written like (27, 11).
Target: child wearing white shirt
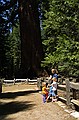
(53, 90)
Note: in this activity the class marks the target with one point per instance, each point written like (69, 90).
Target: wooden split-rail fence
(74, 88)
(15, 81)
(70, 88)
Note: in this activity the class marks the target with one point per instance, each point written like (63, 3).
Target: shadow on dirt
(12, 107)
(10, 95)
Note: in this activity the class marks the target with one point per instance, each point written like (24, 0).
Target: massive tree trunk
(31, 46)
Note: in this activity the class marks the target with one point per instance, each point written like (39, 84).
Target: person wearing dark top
(53, 75)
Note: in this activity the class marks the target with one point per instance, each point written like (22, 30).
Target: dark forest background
(37, 35)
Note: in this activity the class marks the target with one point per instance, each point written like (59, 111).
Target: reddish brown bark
(31, 47)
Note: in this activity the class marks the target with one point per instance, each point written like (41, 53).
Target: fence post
(14, 81)
(67, 91)
(39, 83)
(74, 93)
(27, 81)
(0, 85)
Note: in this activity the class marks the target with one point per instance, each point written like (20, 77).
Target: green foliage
(61, 41)
(8, 45)
(13, 51)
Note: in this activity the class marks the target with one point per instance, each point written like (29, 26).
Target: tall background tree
(13, 53)
(8, 39)
(61, 36)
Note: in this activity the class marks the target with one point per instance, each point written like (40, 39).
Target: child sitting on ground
(53, 90)
(44, 92)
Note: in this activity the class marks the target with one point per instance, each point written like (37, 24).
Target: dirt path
(23, 102)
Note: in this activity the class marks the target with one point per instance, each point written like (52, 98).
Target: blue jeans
(51, 94)
(44, 98)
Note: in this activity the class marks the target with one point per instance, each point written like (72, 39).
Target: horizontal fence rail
(74, 85)
(14, 81)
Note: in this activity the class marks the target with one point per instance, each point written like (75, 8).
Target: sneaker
(52, 100)
(55, 100)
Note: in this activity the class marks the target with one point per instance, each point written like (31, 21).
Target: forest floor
(24, 102)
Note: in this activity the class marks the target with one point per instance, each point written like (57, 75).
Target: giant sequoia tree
(31, 47)
(30, 36)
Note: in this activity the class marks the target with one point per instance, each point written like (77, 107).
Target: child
(44, 92)
(53, 90)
